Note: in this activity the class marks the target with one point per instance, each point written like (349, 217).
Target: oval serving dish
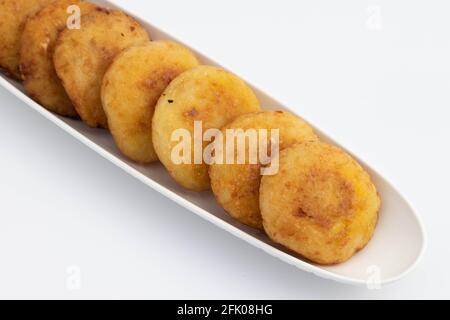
(398, 242)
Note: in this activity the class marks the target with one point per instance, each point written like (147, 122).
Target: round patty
(211, 96)
(82, 57)
(321, 204)
(236, 186)
(36, 58)
(131, 88)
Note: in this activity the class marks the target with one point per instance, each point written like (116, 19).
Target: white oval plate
(396, 248)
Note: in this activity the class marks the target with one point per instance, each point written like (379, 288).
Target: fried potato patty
(131, 88)
(236, 186)
(207, 94)
(321, 204)
(36, 55)
(13, 16)
(82, 57)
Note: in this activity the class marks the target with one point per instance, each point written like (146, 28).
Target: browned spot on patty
(192, 113)
(301, 213)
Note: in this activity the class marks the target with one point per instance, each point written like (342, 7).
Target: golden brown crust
(236, 186)
(208, 94)
(131, 88)
(321, 204)
(82, 57)
(36, 58)
(13, 16)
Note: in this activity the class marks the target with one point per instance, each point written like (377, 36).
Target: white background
(375, 75)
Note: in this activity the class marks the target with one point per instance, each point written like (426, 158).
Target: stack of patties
(82, 61)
